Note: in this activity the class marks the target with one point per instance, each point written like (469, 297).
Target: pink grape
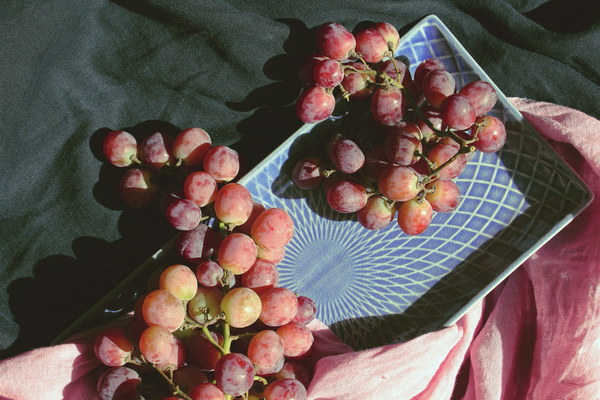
(457, 112)
(433, 116)
(114, 381)
(403, 148)
(233, 204)
(261, 276)
(446, 196)
(177, 358)
(183, 214)
(371, 45)
(200, 187)
(272, 229)
(112, 347)
(207, 391)
(157, 344)
(328, 73)
(201, 353)
(346, 196)
(334, 41)
(205, 306)
(431, 64)
(294, 370)
(387, 106)
(307, 309)
(306, 173)
(265, 349)
(481, 94)
(285, 389)
(190, 145)
(279, 306)
(398, 183)
(197, 244)
(164, 309)
(179, 280)
(437, 85)
(272, 256)
(346, 155)
(297, 339)
(440, 154)
(237, 253)
(234, 374)
(246, 227)
(355, 83)
(414, 216)
(389, 33)
(315, 104)
(209, 273)
(491, 136)
(222, 163)
(120, 148)
(241, 306)
(156, 149)
(189, 377)
(376, 214)
(137, 188)
(269, 371)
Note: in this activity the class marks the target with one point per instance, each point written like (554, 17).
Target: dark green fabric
(70, 70)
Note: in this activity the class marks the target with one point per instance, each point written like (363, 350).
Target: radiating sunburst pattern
(376, 287)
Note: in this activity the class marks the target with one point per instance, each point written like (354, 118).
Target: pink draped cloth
(536, 336)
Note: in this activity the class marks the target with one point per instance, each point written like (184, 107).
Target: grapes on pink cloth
(112, 347)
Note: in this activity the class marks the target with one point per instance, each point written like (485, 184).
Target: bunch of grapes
(215, 325)
(425, 130)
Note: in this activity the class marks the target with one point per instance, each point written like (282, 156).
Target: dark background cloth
(72, 70)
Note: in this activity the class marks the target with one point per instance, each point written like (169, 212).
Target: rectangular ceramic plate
(374, 288)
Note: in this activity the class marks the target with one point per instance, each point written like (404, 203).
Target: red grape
(346, 196)
(156, 149)
(441, 153)
(273, 256)
(207, 391)
(164, 309)
(233, 204)
(431, 64)
(295, 370)
(315, 104)
(113, 380)
(179, 280)
(285, 389)
(197, 244)
(237, 253)
(137, 188)
(297, 339)
(392, 68)
(112, 347)
(446, 196)
(209, 273)
(190, 145)
(189, 377)
(241, 306)
(272, 229)
(157, 344)
(222, 163)
(492, 134)
(457, 112)
(355, 83)
(437, 85)
(398, 183)
(120, 148)
(261, 276)
(306, 69)
(371, 45)
(403, 148)
(376, 214)
(279, 306)
(265, 349)
(183, 214)
(389, 33)
(177, 358)
(387, 106)
(246, 227)
(306, 173)
(200, 187)
(205, 306)
(346, 155)
(481, 94)
(334, 41)
(202, 353)
(414, 216)
(234, 374)
(328, 73)
(307, 310)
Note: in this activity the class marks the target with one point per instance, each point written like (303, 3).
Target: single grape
(273, 229)
(457, 112)
(269, 371)
(279, 306)
(200, 187)
(346, 196)
(437, 85)
(207, 391)
(190, 145)
(334, 41)
(176, 360)
(189, 377)
(357, 84)
(481, 94)
(222, 163)
(234, 374)
(137, 188)
(285, 389)
(164, 309)
(233, 204)
(387, 106)
(294, 370)
(307, 67)
(297, 339)
(205, 306)
(491, 137)
(183, 214)
(446, 196)
(197, 244)
(209, 273)
(157, 344)
(403, 148)
(237, 253)
(315, 104)
(371, 45)
(389, 33)
(241, 306)
(328, 73)
(345, 154)
(117, 380)
(261, 276)
(431, 64)
(179, 280)
(156, 149)
(398, 183)
(200, 352)
(112, 347)
(306, 173)
(414, 216)
(272, 256)
(265, 349)
(376, 214)
(307, 309)
(442, 153)
(120, 148)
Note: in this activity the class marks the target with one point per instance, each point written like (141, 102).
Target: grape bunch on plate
(214, 325)
(425, 130)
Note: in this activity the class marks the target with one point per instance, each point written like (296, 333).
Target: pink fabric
(537, 336)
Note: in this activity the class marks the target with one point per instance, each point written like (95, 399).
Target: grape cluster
(425, 130)
(214, 325)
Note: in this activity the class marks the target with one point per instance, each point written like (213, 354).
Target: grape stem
(213, 341)
(175, 389)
